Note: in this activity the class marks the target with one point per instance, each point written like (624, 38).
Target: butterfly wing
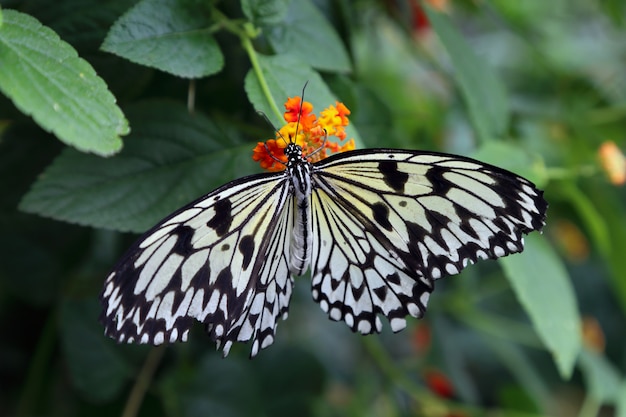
(221, 260)
(387, 223)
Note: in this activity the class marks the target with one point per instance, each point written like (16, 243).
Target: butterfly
(376, 228)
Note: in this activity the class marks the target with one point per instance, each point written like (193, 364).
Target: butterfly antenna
(298, 123)
(300, 112)
(273, 127)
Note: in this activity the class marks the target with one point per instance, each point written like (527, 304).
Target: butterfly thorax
(299, 172)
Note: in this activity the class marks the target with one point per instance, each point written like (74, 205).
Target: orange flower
(613, 162)
(311, 135)
(292, 105)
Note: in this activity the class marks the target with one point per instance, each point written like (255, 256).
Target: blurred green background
(537, 87)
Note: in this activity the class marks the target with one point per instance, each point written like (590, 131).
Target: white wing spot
(435, 273)
(397, 324)
(349, 319)
(269, 339)
(451, 269)
(364, 327)
(424, 300)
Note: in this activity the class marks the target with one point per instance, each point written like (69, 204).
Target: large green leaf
(543, 287)
(169, 35)
(171, 158)
(285, 77)
(46, 79)
(483, 91)
(305, 33)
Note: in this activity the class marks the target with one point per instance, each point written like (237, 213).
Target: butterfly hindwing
(356, 273)
(387, 223)
(221, 260)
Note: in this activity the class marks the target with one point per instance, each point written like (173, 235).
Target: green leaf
(285, 77)
(602, 378)
(306, 33)
(542, 286)
(171, 158)
(484, 93)
(46, 79)
(96, 369)
(265, 12)
(169, 35)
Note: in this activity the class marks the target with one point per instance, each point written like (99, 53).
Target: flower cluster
(311, 134)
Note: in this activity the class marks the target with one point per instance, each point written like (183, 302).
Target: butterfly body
(376, 227)
(299, 173)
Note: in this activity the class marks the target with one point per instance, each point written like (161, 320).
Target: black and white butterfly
(376, 227)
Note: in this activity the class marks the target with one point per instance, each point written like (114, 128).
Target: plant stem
(246, 32)
(256, 67)
(135, 399)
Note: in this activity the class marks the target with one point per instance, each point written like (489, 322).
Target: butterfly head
(293, 152)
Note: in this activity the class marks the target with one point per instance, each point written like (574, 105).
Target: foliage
(534, 86)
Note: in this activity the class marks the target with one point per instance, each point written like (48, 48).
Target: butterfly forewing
(221, 260)
(389, 222)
